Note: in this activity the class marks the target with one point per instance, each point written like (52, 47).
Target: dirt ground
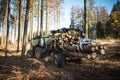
(105, 67)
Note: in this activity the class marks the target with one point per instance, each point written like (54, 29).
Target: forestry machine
(66, 44)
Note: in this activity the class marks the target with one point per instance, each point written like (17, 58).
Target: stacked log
(67, 39)
(75, 54)
(89, 48)
(93, 55)
(70, 43)
(101, 51)
(102, 47)
(70, 48)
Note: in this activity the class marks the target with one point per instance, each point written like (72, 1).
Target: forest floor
(105, 67)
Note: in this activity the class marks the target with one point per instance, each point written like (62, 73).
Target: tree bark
(19, 26)
(85, 18)
(32, 19)
(8, 25)
(15, 22)
(41, 24)
(55, 19)
(3, 27)
(38, 24)
(25, 29)
(47, 17)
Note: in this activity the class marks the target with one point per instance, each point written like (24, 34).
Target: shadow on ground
(107, 67)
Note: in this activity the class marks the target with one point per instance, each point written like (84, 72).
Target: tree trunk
(22, 22)
(8, 25)
(4, 20)
(38, 24)
(15, 22)
(19, 26)
(55, 19)
(85, 18)
(59, 11)
(25, 29)
(41, 24)
(4, 28)
(32, 19)
(47, 18)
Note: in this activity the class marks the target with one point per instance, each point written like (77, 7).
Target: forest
(23, 20)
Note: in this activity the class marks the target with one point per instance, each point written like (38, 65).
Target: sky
(65, 16)
(108, 4)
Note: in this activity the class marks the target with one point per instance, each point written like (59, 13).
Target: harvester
(66, 44)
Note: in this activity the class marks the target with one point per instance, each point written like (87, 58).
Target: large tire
(59, 60)
(52, 57)
(38, 52)
(30, 54)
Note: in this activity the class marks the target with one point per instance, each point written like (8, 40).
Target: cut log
(75, 54)
(70, 48)
(89, 48)
(101, 51)
(101, 46)
(105, 47)
(94, 55)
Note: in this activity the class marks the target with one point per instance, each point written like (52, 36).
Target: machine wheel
(38, 52)
(52, 57)
(30, 54)
(58, 60)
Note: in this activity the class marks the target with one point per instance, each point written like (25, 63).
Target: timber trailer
(64, 45)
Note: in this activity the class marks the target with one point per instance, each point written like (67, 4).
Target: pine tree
(8, 26)
(41, 24)
(115, 19)
(47, 16)
(100, 31)
(3, 18)
(19, 25)
(38, 24)
(25, 29)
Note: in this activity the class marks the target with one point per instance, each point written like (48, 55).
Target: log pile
(89, 48)
(70, 42)
(67, 39)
